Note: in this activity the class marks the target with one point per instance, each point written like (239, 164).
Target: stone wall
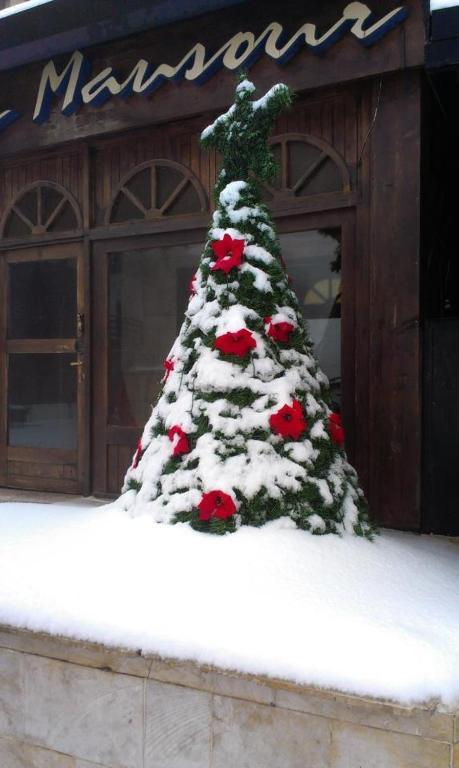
(73, 705)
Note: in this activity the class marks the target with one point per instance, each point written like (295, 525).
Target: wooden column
(394, 405)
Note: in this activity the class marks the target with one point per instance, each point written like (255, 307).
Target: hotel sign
(76, 84)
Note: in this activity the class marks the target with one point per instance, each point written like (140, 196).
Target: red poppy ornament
(228, 252)
(168, 366)
(138, 454)
(237, 343)
(216, 504)
(279, 331)
(336, 428)
(192, 285)
(181, 445)
(289, 421)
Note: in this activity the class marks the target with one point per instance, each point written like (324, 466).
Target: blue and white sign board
(76, 84)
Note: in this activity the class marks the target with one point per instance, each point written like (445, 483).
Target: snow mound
(372, 618)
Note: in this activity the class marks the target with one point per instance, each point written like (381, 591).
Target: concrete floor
(41, 497)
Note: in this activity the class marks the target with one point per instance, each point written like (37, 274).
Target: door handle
(78, 364)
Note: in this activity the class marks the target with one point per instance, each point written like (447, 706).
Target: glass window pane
(42, 396)
(42, 299)
(313, 261)
(148, 295)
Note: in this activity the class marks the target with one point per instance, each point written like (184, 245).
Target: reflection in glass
(42, 301)
(313, 261)
(148, 295)
(42, 396)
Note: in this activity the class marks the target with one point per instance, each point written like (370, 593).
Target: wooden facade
(72, 189)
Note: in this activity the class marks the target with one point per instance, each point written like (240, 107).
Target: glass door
(43, 369)
(319, 251)
(140, 294)
(313, 259)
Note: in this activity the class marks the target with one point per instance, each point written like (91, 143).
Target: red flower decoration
(238, 343)
(279, 331)
(216, 504)
(168, 366)
(138, 454)
(192, 285)
(182, 445)
(289, 421)
(336, 428)
(228, 253)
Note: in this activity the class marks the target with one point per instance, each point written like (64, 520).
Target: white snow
(230, 195)
(437, 5)
(378, 619)
(220, 119)
(260, 279)
(264, 101)
(258, 253)
(19, 7)
(244, 86)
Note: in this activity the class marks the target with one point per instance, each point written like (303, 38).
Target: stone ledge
(56, 713)
(424, 720)
(18, 754)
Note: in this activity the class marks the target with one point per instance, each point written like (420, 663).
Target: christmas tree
(242, 432)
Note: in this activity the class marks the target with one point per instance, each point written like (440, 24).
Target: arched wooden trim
(40, 227)
(155, 211)
(327, 151)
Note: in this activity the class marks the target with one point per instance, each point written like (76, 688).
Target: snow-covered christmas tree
(242, 432)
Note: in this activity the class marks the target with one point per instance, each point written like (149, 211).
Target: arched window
(156, 189)
(42, 207)
(308, 166)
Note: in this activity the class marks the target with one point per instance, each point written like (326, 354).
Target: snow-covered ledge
(68, 704)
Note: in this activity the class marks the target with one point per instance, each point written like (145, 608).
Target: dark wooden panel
(441, 427)
(99, 355)
(179, 143)
(119, 458)
(3, 368)
(113, 472)
(345, 61)
(42, 252)
(123, 435)
(57, 485)
(41, 27)
(38, 469)
(84, 369)
(22, 346)
(330, 116)
(444, 24)
(31, 469)
(395, 415)
(361, 288)
(125, 455)
(42, 455)
(67, 168)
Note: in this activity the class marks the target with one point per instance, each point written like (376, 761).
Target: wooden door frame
(30, 253)
(104, 434)
(286, 221)
(343, 219)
